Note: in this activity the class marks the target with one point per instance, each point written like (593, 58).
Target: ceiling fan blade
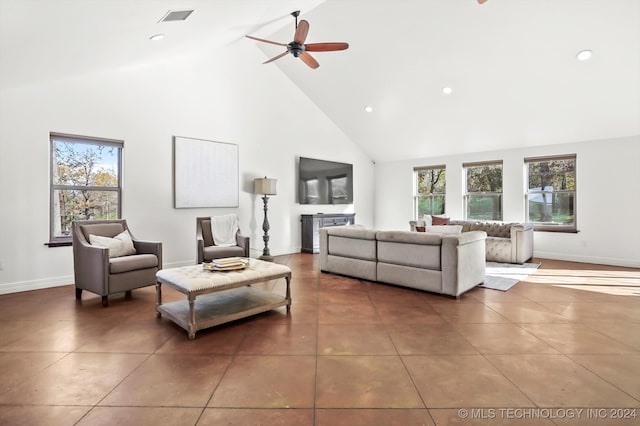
(326, 47)
(301, 32)
(266, 41)
(276, 57)
(309, 60)
(481, 1)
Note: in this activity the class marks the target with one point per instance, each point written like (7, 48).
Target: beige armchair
(107, 271)
(206, 248)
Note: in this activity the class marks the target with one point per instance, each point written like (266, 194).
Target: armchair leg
(78, 293)
(105, 301)
(127, 294)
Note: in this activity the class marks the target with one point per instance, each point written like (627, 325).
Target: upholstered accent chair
(207, 250)
(107, 259)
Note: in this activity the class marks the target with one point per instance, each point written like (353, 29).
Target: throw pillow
(420, 228)
(427, 219)
(439, 220)
(120, 245)
(444, 229)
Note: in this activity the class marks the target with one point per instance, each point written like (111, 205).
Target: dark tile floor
(350, 352)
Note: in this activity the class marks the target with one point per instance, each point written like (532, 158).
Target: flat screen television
(325, 182)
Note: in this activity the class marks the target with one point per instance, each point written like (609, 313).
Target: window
(483, 195)
(430, 190)
(311, 191)
(338, 189)
(85, 182)
(551, 193)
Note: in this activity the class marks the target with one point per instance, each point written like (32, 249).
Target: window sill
(58, 244)
(562, 229)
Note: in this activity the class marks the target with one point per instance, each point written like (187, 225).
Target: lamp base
(266, 258)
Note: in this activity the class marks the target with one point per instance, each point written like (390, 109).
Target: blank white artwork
(205, 173)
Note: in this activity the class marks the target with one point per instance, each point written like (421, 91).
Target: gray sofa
(506, 242)
(445, 264)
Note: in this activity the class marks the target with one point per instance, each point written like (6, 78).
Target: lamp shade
(265, 186)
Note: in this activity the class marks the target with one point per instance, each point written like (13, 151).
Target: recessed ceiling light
(368, 108)
(583, 55)
(156, 37)
(447, 90)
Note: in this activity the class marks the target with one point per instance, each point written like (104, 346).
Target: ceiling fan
(481, 1)
(298, 48)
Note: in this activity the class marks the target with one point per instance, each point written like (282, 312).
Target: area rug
(503, 276)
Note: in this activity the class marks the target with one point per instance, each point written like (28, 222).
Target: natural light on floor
(614, 282)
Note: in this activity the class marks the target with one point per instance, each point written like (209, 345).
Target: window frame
(417, 196)
(548, 227)
(56, 241)
(466, 194)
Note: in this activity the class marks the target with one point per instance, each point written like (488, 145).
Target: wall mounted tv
(324, 182)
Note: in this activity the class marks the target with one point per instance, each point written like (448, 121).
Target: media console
(311, 224)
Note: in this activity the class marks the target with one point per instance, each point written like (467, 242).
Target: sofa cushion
(355, 248)
(216, 252)
(444, 229)
(439, 220)
(406, 276)
(103, 229)
(426, 256)
(365, 269)
(426, 220)
(134, 262)
(120, 245)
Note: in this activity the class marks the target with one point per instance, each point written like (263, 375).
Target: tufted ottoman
(224, 296)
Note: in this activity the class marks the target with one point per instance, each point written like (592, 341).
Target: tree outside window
(430, 190)
(551, 193)
(483, 196)
(85, 182)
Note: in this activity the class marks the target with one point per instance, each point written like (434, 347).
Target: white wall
(224, 96)
(608, 197)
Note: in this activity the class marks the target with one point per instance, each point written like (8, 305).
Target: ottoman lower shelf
(222, 307)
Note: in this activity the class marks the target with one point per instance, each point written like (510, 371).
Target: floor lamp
(265, 187)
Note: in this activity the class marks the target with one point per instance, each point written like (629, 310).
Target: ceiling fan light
(447, 90)
(584, 55)
(368, 108)
(156, 37)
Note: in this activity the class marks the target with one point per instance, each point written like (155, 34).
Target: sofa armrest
(323, 234)
(521, 242)
(470, 237)
(91, 267)
(149, 247)
(463, 261)
(200, 250)
(243, 242)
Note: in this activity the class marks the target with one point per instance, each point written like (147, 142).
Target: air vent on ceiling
(176, 15)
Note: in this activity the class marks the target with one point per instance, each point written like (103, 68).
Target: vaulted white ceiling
(511, 64)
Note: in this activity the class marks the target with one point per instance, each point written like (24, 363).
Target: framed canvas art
(205, 173)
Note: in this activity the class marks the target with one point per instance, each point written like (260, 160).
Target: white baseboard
(16, 287)
(633, 263)
(278, 251)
